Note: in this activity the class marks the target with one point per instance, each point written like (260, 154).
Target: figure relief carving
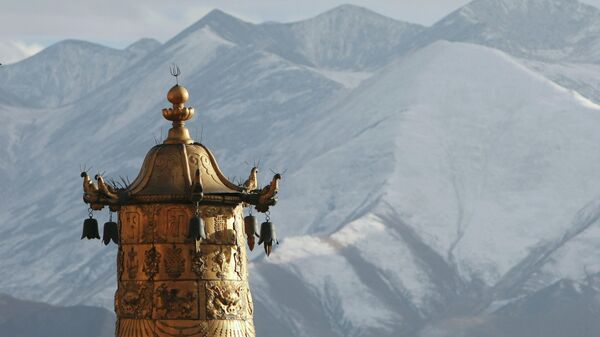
(132, 264)
(134, 300)
(238, 262)
(174, 262)
(198, 263)
(224, 300)
(221, 263)
(149, 228)
(151, 262)
(176, 302)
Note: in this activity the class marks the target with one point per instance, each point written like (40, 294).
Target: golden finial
(178, 114)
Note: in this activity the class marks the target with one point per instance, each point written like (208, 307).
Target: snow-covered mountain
(432, 188)
(71, 69)
(541, 29)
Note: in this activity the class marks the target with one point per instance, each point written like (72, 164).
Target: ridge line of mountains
(441, 181)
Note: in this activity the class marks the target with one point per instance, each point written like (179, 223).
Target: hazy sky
(26, 26)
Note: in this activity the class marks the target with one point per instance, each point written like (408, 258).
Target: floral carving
(151, 262)
(174, 262)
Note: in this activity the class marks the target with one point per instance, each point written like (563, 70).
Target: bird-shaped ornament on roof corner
(252, 182)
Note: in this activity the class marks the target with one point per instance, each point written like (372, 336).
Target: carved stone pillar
(171, 286)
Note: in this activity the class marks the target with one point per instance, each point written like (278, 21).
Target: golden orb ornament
(178, 95)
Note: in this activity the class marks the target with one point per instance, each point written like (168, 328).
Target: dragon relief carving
(224, 301)
(151, 262)
(134, 300)
(174, 262)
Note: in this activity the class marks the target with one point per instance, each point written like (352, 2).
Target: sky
(27, 26)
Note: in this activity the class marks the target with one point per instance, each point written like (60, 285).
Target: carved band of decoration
(176, 300)
(135, 328)
(181, 328)
(134, 300)
(183, 198)
(230, 328)
(151, 262)
(225, 300)
(174, 262)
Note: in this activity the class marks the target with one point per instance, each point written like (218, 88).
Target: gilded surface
(172, 286)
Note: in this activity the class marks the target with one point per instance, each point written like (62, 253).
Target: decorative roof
(169, 171)
(179, 170)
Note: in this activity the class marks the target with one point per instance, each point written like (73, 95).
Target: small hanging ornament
(196, 227)
(111, 231)
(90, 227)
(268, 235)
(250, 226)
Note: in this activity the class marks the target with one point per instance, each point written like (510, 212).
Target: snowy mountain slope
(351, 37)
(584, 78)
(539, 29)
(454, 182)
(68, 70)
(467, 178)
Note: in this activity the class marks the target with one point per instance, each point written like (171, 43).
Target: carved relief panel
(173, 286)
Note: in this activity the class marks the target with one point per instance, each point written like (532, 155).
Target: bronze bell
(250, 225)
(110, 232)
(196, 229)
(90, 229)
(267, 236)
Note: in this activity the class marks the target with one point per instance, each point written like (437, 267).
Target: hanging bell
(196, 228)
(90, 229)
(267, 236)
(250, 226)
(111, 232)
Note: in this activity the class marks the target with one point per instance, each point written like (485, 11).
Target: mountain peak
(539, 29)
(351, 11)
(225, 25)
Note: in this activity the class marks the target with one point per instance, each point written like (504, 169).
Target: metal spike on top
(179, 113)
(175, 71)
